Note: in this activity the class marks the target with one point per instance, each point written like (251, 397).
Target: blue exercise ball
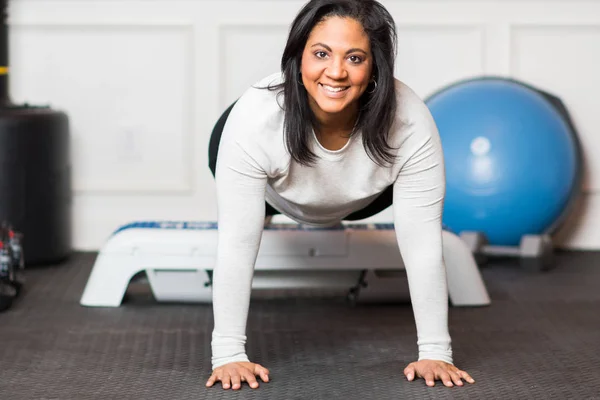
(512, 158)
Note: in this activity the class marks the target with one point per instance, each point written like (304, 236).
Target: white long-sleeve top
(254, 166)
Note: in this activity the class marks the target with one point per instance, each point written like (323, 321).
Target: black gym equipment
(35, 170)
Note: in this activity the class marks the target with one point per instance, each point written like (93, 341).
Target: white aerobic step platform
(179, 257)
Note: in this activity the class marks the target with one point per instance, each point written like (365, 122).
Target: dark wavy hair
(377, 107)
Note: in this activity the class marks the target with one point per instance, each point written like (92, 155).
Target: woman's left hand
(431, 370)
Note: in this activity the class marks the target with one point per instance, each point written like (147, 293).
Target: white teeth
(333, 89)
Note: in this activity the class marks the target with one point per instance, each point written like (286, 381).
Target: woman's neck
(333, 130)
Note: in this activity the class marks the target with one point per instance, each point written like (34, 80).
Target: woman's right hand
(233, 374)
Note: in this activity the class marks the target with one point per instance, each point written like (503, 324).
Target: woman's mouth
(334, 91)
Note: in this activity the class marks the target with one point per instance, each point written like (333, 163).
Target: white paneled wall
(144, 81)
(130, 111)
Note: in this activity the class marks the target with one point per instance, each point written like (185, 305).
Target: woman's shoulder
(413, 118)
(259, 108)
(256, 120)
(410, 104)
(263, 93)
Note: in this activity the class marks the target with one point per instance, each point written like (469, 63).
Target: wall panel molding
(433, 55)
(249, 52)
(562, 59)
(129, 139)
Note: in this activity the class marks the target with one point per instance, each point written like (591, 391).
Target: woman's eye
(355, 59)
(321, 54)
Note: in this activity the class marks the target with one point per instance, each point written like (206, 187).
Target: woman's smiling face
(336, 66)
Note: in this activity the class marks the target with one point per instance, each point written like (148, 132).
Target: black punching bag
(35, 170)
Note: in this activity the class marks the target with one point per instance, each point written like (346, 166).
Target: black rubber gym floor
(540, 339)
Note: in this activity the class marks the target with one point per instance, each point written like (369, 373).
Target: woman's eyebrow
(348, 52)
(355, 50)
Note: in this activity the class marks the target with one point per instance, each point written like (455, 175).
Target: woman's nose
(336, 70)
